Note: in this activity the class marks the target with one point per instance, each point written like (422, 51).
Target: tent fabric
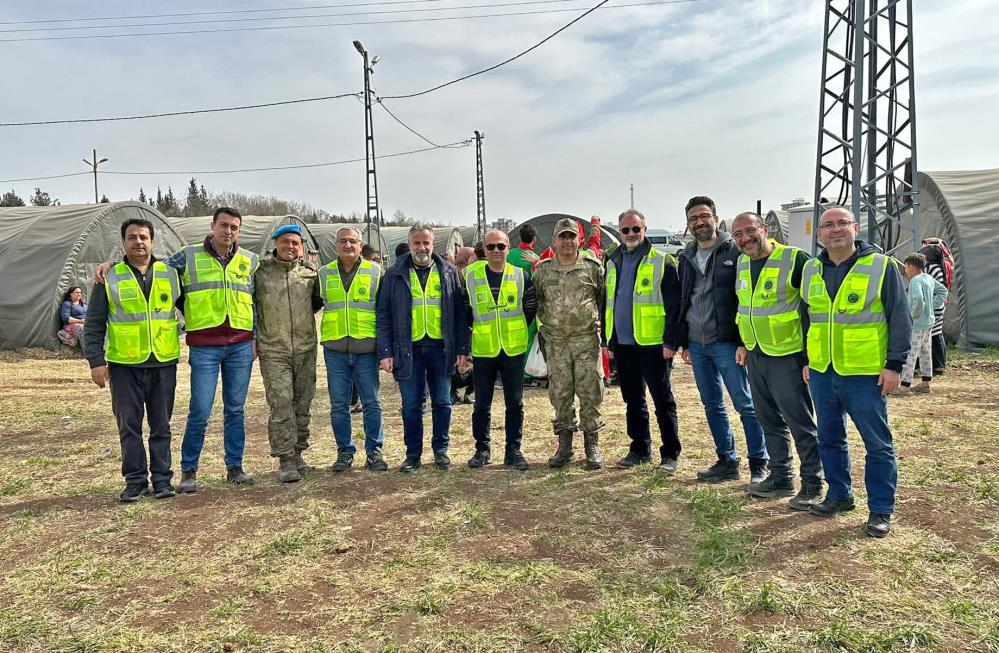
(46, 249)
(468, 235)
(254, 232)
(325, 234)
(776, 222)
(545, 224)
(961, 208)
(446, 239)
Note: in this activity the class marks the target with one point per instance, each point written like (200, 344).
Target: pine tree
(11, 199)
(142, 195)
(159, 200)
(41, 199)
(104, 199)
(193, 204)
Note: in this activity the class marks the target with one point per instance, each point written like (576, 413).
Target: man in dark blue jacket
(422, 335)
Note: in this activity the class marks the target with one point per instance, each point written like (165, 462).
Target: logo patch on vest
(164, 297)
(645, 282)
(437, 287)
(242, 267)
(362, 290)
(510, 299)
(768, 285)
(853, 298)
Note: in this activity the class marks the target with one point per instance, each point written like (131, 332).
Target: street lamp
(94, 165)
(371, 178)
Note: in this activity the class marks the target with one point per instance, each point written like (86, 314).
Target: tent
(961, 208)
(776, 222)
(325, 234)
(468, 235)
(46, 249)
(254, 232)
(446, 239)
(545, 224)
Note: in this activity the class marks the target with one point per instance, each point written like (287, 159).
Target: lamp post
(371, 177)
(93, 164)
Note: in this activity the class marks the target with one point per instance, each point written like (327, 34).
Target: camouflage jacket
(570, 299)
(287, 298)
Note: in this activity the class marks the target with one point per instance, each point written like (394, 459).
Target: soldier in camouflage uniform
(570, 290)
(287, 296)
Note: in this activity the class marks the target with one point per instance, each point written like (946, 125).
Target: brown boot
(188, 483)
(591, 444)
(300, 464)
(288, 471)
(564, 454)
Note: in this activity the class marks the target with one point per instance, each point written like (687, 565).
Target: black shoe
(163, 490)
(480, 459)
(758, 471)
(468, 400)
(723, 470)
(807, 496)
(516, 460)
(633, 459)
(411, 464)
(376, 462)
(441, 461)
(237, 476)
(344, 461)
(669, 466)
(356, 408)
(133, 492)
(878, 525)
(772, 487)
(832, 507)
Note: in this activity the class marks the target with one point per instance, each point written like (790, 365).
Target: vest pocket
(785, 328)
(860, 348)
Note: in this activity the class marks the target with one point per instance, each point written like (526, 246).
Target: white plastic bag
(536, 365)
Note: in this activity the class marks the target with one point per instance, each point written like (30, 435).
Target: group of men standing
(779, 331)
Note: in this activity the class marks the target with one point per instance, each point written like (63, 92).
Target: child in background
(925, 294)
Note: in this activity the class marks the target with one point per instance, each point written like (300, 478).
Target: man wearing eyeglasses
(858, 339)
(501, 303)
(707, 338)
(349, 287)
(642, 289)
(770, 322)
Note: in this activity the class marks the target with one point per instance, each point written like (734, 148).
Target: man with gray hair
(349, 287)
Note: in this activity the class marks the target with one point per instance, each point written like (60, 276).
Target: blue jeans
(713, 365)
(344, 372)
(428, 369)
(236, 363)
(859, 397)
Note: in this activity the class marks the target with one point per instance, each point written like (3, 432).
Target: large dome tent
(254, 232)
(325, 234)
(46, 249)
(545, 224)
(446, 239)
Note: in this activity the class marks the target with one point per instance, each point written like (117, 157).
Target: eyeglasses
(629, 230)
(499, 246)
(347, 241)
(839, 224)
(699, 217)
(748, 231)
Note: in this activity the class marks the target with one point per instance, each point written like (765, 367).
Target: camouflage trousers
(574, 370)
(290, 385)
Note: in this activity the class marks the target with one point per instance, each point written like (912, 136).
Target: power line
(70, 174)
(341, 24)
(407, 127)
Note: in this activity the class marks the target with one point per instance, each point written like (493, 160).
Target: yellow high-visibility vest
(768, 313)
(213, 293)
(648, 312)
(498, 323)
(349, 311)
(426, 305)
(137, 327)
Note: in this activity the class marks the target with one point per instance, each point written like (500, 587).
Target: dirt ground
(487, 560)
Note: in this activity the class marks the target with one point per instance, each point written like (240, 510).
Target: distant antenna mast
(632, 195)
(480, 190)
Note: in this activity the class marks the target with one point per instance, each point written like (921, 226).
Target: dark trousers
(939, 346)
(511, 371)
(638, 367)
(784, 409)
(428, 371)
(150, 391)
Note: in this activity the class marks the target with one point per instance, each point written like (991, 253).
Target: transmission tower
(480, 190)
(866, 157)
(372, 216)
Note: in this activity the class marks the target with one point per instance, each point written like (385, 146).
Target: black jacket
(722, 269)
(670, 289)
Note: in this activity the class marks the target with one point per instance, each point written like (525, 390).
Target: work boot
(410, 464)
(832, 507)
(878, 525)
(288, 471)
(300, 464)
(633, 459)
(441, 461)
(481, 458)
(772, 487)
(237, 476)
(515, 459)
(591, 444)
(563, 456)
(133, 492)
(375, 461)
(188, 482)
(807, 497)
(163, 490)
(758, 471)
(344, 461)
(723, 470)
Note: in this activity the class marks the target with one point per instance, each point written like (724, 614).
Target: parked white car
(665, 241)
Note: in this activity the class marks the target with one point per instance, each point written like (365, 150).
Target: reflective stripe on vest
(137, 327)
(648, 313)
(426, 305)
(850, 330)
(213, 293)
(351, 311)
(768, 313)
(498, 323)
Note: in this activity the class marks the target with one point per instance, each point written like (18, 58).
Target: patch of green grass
(721, 549)
(13, 486)
(39, 462)
(229, 607)
(623, 627)
(651, 478)
(288, 543)
(843, 636)
(713, 507)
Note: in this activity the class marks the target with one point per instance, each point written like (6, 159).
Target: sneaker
(807, 496)
(300, 464)
(411, 464)
(133, 492)
(901, 391)
(375, 462)
(758, 471)
(441, 461)
(633, 459)
(237, 476)
(723, 470)
(921, 389)
(772, 487)
(516, 460)
(832, 507)
(188, 482)
(878, 525)
(480, 459)
(163, 490)
(344, 461)
(669, 466)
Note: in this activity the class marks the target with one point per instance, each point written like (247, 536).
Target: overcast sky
(715, 97)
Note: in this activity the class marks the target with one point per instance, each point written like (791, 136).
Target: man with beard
(707, 337)
(770, 323)
(421, 334)
(286, 295)
(642, 289)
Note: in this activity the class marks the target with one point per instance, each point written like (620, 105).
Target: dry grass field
(492, 560)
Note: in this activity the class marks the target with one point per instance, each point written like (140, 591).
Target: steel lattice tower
(866, 156)
(480, 189)
(373, 214)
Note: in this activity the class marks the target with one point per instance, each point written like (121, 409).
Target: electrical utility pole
(866, 156)
(372, 214)
(93, 164)
(480, 189)
(633, 195)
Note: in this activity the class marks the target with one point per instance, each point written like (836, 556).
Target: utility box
(799, 227)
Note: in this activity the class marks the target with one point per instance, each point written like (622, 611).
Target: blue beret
(287, 229)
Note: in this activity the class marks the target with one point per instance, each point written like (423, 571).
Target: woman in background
(73, 313)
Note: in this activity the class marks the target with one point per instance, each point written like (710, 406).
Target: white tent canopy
(254, 232)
